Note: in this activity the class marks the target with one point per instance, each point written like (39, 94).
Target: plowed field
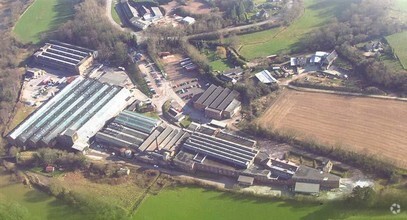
(360, 124)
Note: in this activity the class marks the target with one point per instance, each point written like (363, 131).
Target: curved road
(110, 18)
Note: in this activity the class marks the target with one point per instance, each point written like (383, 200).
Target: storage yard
(367, 125)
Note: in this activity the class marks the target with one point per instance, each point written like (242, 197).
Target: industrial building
(65, 56)
(215, 151)
(140, 134)
(218, 103)
(72, 116)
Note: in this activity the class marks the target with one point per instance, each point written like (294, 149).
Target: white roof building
(188, 20)
(266, 77)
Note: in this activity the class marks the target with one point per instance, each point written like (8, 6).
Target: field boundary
(302, 89)
(395, 54)
(22, 14)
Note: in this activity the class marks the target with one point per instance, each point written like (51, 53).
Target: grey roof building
(140, 134)
(65, 56)
(218, 103)
(220, 149)
(76, 113)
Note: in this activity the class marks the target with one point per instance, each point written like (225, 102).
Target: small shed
(308, 188)
(49, 169)
(245, 180)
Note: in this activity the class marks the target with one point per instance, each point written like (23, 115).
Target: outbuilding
(307, 188)
(245, 180)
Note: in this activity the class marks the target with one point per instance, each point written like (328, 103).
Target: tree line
(11, 59)
(360, 22)
(90, 28)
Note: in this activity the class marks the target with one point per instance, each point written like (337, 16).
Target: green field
(37, 205)
(220, 65)
(398, 43)
(197, 203)
(400, 5)
(115, 15)
(264, 43)
(42, 17)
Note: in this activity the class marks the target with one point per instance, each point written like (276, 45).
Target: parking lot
(186, 84)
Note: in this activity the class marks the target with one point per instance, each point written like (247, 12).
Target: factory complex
(87, 113)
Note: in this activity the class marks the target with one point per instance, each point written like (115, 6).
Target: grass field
(122, 194)
(115, 15)
(42, 17)
(399, 43)
(367, 125)
(38, 205)
(278, 40)
(196, 203)
(220, 65)
(400, 5)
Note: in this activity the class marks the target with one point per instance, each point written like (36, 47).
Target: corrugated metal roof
(265, 77)
(220, 98)
(213, 96)
(206, 94)
(222, 106)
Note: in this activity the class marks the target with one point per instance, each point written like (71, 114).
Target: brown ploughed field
(366, 125)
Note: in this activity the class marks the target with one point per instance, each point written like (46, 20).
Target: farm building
(245, 180)
(306, 174)
(265, 77)
(218, 103)
(140, 134)
(324, 59)
(281, 168)
(232, 75)
(72, 116)
(65, 56)
(188, 20)
(140, 17)
(34, 72)
(306, 188)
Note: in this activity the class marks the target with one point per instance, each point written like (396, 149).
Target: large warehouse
(72, 116)
(65, 56)
(231, 150)
(218, 103)
(140, 134)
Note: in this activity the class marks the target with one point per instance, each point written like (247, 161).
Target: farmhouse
(65, 56)
(324, 59)
(265, 77)
(218, 103)
(72, 116)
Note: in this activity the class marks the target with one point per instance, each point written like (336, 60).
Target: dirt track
(365, 125)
